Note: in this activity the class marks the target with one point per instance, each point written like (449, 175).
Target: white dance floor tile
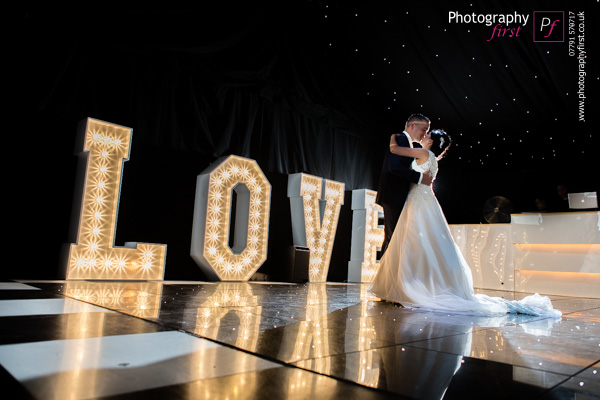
(95, 367)
(16, 286)
(12, 308)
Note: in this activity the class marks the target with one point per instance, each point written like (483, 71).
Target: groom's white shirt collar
(410, 141)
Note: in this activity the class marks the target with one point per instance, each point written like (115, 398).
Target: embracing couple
(421, 266)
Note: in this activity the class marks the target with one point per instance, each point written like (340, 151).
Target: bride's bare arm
(419, 154)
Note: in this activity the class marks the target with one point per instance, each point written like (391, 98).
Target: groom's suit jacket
(396, 175)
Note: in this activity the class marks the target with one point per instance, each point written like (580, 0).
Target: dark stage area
(306, 86)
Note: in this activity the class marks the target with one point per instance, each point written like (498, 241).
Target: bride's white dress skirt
(424, 268)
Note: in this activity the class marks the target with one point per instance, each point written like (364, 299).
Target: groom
(396, 175)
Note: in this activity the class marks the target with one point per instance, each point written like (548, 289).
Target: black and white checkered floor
(122, 340)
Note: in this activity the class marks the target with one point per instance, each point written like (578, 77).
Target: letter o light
(212, 212)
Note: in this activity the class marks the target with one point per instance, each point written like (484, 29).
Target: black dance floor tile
(275, 383)
(480, 379)
(304, 340)
(585, 385)
(425, 374)
(533, 348)
(400, 330)
(37, 328)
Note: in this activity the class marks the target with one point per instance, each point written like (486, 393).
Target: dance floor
(267, 340)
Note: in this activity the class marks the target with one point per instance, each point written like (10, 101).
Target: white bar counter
(549, 253)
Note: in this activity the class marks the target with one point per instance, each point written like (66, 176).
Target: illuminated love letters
(312, 227)
(366, 236)
(225, 248)
(211, 231)
(105, 147)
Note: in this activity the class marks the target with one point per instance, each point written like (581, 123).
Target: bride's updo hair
(441, 142)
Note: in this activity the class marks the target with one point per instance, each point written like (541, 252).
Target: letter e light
(367, 236)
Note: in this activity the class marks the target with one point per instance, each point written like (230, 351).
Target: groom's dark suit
(394, 184)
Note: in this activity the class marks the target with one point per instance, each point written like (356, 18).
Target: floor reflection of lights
(339, 331)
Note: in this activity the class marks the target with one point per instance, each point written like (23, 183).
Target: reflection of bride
(423, 267)
(425, 368)
(420, 373)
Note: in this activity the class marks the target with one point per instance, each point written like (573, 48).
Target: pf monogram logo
(548, 26)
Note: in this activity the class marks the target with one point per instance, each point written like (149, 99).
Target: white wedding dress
(423, 267)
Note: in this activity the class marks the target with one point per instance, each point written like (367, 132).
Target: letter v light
(309, 229)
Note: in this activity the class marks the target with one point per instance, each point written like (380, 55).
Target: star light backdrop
(309, 87)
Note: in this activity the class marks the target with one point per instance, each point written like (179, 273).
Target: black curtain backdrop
(305, 86)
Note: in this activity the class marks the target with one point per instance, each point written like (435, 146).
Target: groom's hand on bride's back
(427, 179)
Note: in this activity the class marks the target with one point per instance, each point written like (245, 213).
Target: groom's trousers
(391, 214)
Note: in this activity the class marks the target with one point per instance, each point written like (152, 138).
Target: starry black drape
(212, 84)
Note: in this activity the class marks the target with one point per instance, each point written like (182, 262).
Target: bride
(422, 266)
